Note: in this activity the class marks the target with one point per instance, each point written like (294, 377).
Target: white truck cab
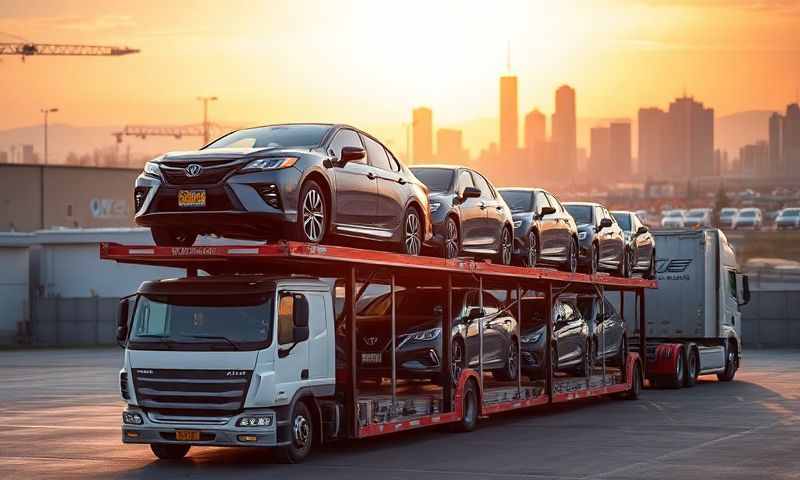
(225, 360)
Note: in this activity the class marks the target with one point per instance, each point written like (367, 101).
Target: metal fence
(62, 322)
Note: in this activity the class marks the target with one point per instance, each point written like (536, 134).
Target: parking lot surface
(60, 413)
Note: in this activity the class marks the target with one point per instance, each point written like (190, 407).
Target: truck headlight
(582, 235)
(129, 418)
(426, 335)
(435, 206)
(272, 163)
(151, 168)
(255, 421)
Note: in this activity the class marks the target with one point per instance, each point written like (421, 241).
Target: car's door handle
(371, 176)
(483, 205)
(498, 208)
(401, 181)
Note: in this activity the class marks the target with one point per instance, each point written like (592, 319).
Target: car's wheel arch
(413, 203)
(325, 183)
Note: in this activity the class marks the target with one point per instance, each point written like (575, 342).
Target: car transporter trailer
(360, 408)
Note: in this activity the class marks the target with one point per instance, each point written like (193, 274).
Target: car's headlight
(426, 335)
(517, 223)
(272, 163)
(435, 206)
(151, 168)
(255, 421)
(582, 235)
(531, 338)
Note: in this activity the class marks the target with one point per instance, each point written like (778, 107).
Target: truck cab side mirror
(300, 315)
(122, 321)
(745, 291)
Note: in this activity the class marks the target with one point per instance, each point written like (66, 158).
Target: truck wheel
(166, 237)
(636, 383)
(675, 380)
(169, 451)
(469, 419)
(730, 364)
(690, 377)
(301, 429)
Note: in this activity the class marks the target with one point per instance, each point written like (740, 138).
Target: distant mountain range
(731, 132)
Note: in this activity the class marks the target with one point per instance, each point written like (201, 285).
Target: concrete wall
(86, 197)
(772, 319)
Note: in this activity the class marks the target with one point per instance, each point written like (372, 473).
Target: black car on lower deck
(544, 232)
(640, 244)
(308, 182)
(606, 330)
(468, 215)
(570, 337)
(602, 245)
(418, 340)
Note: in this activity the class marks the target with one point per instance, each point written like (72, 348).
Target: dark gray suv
(307, 182)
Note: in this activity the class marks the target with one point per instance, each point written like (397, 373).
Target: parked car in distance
(609, 343)
(307, 182)
(673, 219)
(726, 216)
(600, 239)
(640, 244)
(570, 337)
(748, 218)
(544, 232)
(698, 218)
(789, 218)
(418, 341)
(468, 215)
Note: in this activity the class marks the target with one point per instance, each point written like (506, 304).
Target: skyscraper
(651, 138)
(422, 127)
(599, 152)
(754, 158)
(509, 116)
(790, 141)
(689, 143)
(450, 148)
(564, 129)
(619, 151)
(535, 129)
(775, 144)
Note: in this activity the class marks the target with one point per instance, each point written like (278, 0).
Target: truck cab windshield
(211, 322)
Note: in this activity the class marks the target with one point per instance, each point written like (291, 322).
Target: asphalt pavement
(60, 414)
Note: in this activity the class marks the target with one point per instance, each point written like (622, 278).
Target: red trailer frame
(349, 263)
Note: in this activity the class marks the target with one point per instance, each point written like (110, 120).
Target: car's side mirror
(350, 154)
(605, 223)
(642, 230)
(122, 321)
(474, 312)
(470, 192)
(547, 211)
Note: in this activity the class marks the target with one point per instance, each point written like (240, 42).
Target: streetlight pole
(46, 112)
(206, 128)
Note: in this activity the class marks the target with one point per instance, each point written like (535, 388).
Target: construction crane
(144, 131)
(27, 49)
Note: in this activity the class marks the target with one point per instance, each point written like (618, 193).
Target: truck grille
(192, 392)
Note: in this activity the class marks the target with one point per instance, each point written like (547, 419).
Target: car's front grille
(217, 200)
(209, 173)
(192, 392)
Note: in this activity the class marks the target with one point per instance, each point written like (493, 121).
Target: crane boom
(144, 131)
(29, 49)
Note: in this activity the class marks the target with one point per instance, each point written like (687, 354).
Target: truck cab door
(292, 369)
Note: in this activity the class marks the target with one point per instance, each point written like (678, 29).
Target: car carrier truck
(261, 346)
(694, 323)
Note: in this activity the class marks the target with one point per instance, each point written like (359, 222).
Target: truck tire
(301, 431)
(730, 364)
(690, 376)
(469, 420)
(169, 451)
(636, 383)
(675, 379)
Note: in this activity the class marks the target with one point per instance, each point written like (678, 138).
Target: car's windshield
(674, 213)
(581, 213)
(194, 322)
(623, 219)
(437, 180)
(790, 213)
(275, 136)
(422, 303)
(696, 213)
(747, 213)
(518, 200)
(727, 212)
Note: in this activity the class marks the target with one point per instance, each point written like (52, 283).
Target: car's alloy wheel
(457, 361)
(452, 247)
(313, 214)
(533, 251)
(511, 361)
(573, 256)
(412, 233)
(505, 247)
(629, 264)
(594, 266)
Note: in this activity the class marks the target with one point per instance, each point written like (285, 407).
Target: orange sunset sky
(369, 62)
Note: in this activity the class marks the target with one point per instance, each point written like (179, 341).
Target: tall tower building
(619, 135)
(450, 147)
(535, 129)
(422, 127)
(599, 152)
(775, 144)
(564, 128)
(651, 139)
(790, 141)
(509, 117)
(689, 140)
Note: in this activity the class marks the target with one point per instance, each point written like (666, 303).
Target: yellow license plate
(191, 198)
(187, 435)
